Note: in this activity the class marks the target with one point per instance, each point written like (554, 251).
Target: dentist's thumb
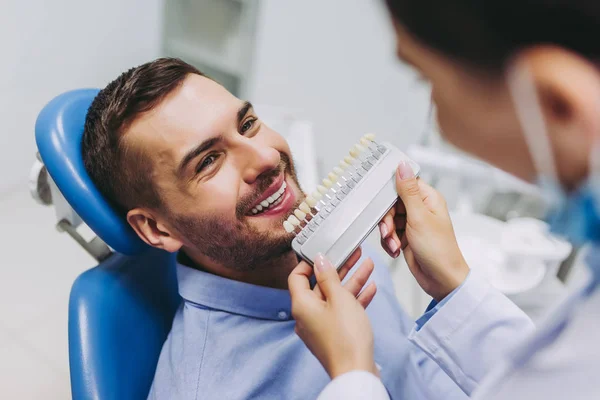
(407, 187)
(327, 276)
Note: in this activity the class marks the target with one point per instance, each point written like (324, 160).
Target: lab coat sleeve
(355, 385)
(472, 333)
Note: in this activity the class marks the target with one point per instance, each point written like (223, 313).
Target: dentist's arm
(477, 325)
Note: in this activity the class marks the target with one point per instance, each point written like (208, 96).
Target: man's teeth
(270, 201)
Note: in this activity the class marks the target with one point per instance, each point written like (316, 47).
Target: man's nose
(258, 160)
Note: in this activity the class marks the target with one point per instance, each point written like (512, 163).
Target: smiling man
(194, 171)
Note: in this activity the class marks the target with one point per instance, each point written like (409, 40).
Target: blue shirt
(232, 340)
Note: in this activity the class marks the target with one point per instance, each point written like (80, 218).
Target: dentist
(516, 83)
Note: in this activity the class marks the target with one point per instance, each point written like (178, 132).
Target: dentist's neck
(273, 273)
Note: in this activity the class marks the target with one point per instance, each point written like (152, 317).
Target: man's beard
(237, 244)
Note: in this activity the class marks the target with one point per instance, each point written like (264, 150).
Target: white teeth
(274, 199)
(289, 228)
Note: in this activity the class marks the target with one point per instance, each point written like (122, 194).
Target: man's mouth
(271, 201)
(276, 200)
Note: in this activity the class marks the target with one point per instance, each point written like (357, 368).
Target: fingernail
(392, 245)
(384, 230)
(322, 263)
(404, 170)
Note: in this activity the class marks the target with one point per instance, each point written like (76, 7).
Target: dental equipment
(336, 218)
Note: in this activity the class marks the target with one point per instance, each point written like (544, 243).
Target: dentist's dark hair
(121, 170)
(487, 33)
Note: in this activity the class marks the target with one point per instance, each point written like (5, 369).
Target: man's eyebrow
(196, 151)
(243, 110)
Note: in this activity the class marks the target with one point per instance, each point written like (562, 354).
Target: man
(195, 171)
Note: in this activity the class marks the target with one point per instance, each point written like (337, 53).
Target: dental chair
(120, 312)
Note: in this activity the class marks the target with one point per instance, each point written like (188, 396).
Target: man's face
(226, 179)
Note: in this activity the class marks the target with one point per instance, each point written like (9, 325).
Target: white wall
(48, 47)
(335, 61)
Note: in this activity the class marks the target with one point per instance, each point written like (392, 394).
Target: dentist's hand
(420, 226)
(333, 323)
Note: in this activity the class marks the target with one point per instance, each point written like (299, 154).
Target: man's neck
(273, 273)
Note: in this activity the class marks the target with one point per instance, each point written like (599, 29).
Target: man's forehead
(197, 110)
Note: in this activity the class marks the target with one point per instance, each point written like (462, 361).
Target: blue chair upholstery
(120, 312)
(58, 134)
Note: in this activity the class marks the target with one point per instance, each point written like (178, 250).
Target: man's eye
(207, 162)
(247, 125)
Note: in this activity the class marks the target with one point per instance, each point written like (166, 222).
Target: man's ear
(151, 231)
(568, 88)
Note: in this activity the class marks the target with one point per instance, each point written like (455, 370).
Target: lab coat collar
(211, 291)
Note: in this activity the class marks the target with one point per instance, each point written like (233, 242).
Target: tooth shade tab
(365, 142)
(300, 214)
(354, 153)
(338, 170)
(311, 201)
(343, 165)
(304, 207)
(289, 228)
(327, 183)
(370, 136)
(293, 220)
(359, 148)
(348, 160)
(322, 189)
(332, 177)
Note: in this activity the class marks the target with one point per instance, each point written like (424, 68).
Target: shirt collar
(215, 292)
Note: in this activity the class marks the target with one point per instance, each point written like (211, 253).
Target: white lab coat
(489, 348)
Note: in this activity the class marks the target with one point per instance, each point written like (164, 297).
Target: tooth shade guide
(304, 207)
(301, 215)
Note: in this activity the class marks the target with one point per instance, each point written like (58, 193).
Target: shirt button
(282, 314)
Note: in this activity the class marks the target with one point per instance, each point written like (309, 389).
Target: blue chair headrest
(58, 134)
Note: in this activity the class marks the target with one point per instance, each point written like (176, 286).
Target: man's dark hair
(121, 172)
(487, 33)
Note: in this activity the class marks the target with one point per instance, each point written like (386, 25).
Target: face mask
(574, 215)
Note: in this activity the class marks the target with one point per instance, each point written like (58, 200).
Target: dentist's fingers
(367, 295)
(407, 187)
(298, 280)
(360, 277)
(343, 271)
(386, 226)
(327, 277)
(391, 245)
